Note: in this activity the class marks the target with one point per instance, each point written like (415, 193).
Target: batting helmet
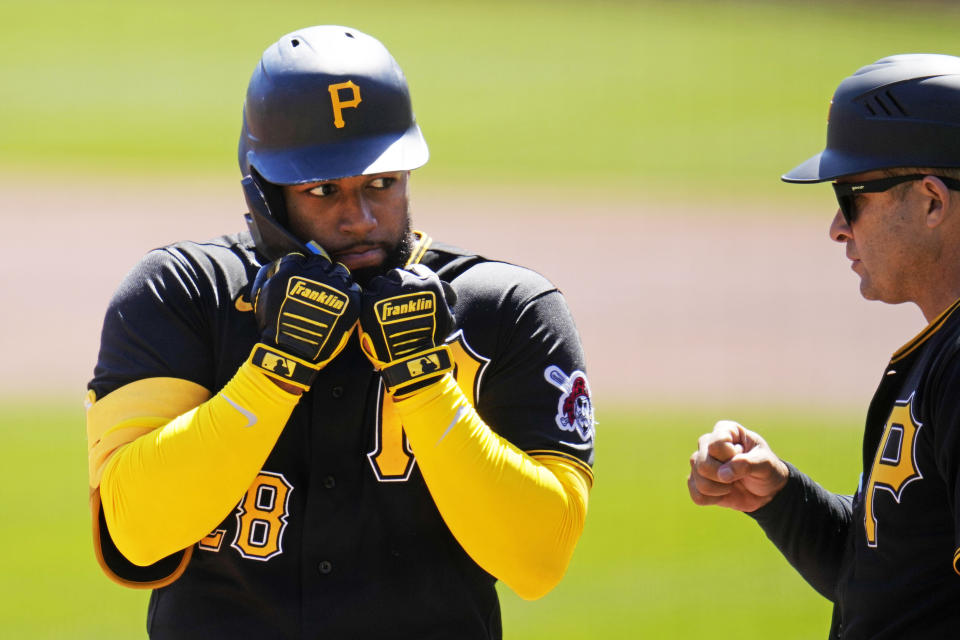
(900, 111)
(325, 102)
(328, 102)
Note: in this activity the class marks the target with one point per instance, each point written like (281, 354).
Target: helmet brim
(806, 172)
(830, 165)
(374, 154)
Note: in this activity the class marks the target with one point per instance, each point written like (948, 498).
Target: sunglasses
(848, 191)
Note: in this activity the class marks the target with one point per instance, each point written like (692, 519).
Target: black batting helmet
(328, 102)
(324, 103)
(900, 111)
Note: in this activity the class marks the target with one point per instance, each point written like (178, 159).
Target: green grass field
(673, 98)
(650, 563)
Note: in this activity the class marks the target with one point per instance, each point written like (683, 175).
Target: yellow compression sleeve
(518, 517)
(169, 487)
(131, 411)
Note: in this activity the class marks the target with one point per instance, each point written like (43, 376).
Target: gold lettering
(212, 541)
(890, 473)
(328, 299)
(389, 310)
(262, 517)
(339, 105)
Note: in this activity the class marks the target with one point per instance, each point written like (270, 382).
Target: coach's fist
(734, 467)
(405, 317)
(306, 308)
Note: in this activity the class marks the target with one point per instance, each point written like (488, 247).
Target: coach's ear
(940, 200)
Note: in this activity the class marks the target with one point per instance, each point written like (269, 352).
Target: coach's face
(362, 221)
(889, 243)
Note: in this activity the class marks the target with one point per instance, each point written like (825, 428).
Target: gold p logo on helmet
(339, 105)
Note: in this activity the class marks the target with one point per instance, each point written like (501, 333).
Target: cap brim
(807, 172)
(830, 165)
(375, 154)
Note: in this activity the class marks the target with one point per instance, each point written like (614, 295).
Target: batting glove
(306, 308)
(404, 318)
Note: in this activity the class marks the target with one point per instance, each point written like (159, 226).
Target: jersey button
(325, 567)
(329, 482)
(337, 392)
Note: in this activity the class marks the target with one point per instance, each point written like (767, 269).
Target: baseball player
(332, 426)
(888, 557)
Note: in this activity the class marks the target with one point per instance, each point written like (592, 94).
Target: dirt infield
(730, 308)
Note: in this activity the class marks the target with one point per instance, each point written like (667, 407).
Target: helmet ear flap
(272, 239)
(273, 195)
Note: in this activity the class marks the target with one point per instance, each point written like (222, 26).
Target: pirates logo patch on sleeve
(574, 408)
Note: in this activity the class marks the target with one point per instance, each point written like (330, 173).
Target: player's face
(362, 221)
(886, 243)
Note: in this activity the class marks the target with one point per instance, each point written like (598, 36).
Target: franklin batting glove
(306, 308)
(404, 319)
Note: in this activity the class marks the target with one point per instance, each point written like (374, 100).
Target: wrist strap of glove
(283, 366)
(417, 371)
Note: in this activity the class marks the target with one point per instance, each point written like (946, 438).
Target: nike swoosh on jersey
(249, 415)
(583, 446)
(243, 305)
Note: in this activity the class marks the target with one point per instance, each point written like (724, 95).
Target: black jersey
(338, 537)
(888, 557)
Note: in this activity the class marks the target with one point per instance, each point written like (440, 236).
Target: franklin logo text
(318, 294)
(404, 307)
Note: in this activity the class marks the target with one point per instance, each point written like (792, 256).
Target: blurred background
(629, 151)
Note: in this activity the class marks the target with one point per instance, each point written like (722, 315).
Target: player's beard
(397, 256)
